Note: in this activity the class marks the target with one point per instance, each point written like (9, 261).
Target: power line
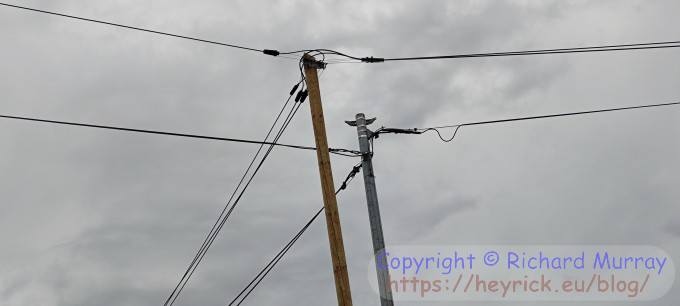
(563, 114)
(265, 51)
(271, 52)
(263, 273)
(201, 252)
(225, 214)
(639, 46)
(355, 59)
(384, 130)
(622, 47)
(331, 150)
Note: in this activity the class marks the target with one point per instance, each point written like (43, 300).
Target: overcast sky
(96, 217)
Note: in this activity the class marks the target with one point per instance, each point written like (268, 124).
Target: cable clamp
(398, 131)
(372, 59)
(271, 52)
(357, 153)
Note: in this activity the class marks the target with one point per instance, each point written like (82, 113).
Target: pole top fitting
(354, 123)
(310, 61)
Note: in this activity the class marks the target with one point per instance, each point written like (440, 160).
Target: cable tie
(271, 52)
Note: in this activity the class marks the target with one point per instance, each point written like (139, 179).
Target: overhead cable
(371, 59)
(331, 150)
(384, 130)
(607, 48)
(639, 46)
(265, 51)
(225, 214)
(263, 273)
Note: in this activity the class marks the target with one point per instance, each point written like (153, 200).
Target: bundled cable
(227, 211)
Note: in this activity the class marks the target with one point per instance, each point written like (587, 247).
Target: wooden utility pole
(327, 186)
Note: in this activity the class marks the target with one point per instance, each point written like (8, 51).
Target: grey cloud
(110, 218)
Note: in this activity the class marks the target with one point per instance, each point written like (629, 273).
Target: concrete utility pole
(327, 186)
(373, 210)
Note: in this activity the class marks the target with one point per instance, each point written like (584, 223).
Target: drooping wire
(384, 130)
(440, 135)
(224, 215)
(263, 273)
(107, 127)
